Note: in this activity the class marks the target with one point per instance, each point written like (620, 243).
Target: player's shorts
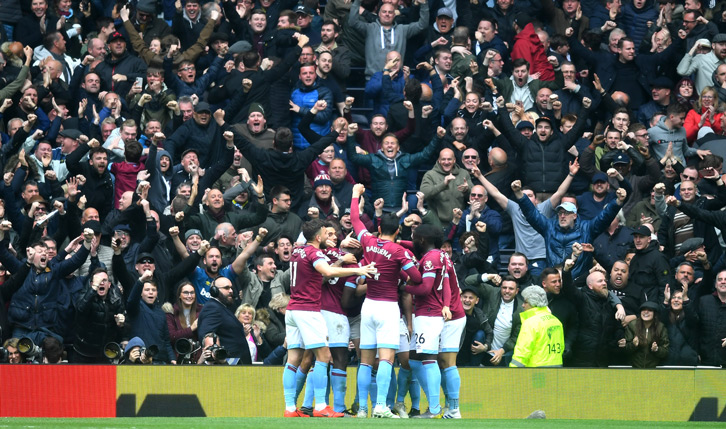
(451, 335)
(379, 324)
(427, 333)
(404, 338)
(338, 328)
(354, 323)
(305, 329)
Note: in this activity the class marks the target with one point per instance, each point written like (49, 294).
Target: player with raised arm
(305, 326)
(380, 314)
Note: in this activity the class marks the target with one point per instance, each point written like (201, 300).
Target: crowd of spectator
(159, 159)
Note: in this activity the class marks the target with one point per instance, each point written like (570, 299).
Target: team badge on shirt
(428, 265)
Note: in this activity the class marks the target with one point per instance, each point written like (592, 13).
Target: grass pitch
(277, 423)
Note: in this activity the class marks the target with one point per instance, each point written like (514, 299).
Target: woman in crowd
(258, 348)
(275, 334)
(682, 332)
(646, 339)
(182, 316)
(686, 93)
(706, 113)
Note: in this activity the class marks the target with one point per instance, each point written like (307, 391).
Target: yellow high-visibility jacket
(541, 339)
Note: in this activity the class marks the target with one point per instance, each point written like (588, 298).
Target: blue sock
(288, 385)
(414, 390)
(321, 383)
(309, 389)
(392, 386)
(419, 375)
(355, 400)
(383, 380)
(338, 378)
(453, 384)
(433, 385)
(300, 378)
(373, 389)
(327, 387)
(404, 377)
(443, 387)
(364, 385)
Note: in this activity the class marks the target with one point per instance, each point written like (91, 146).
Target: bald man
(445, 186)
(599, 312)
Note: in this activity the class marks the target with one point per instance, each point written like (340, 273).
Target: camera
(29, 349)
(217, 353)
(4, 355)
(149, 352)
(185, 346)
(113, 352)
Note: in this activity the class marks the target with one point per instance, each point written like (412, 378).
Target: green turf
(277, 423)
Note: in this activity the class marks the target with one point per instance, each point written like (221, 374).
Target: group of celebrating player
(325, 280)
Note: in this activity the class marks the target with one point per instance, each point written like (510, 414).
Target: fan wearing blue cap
(565, 229)
(593, 202)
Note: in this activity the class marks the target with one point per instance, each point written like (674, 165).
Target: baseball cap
(621, 158)
(202, 106)
(304, 10)
(544, 119)
(567, 206)
(445, 11)
(115, 36)
(641, 230)
(599, 177)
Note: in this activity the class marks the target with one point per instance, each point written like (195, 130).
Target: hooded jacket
(527, 45)
(660, 136)
(186, 29)
(160, 182)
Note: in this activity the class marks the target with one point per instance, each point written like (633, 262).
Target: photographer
(212, 352)
(137, 353)
(14, 356)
